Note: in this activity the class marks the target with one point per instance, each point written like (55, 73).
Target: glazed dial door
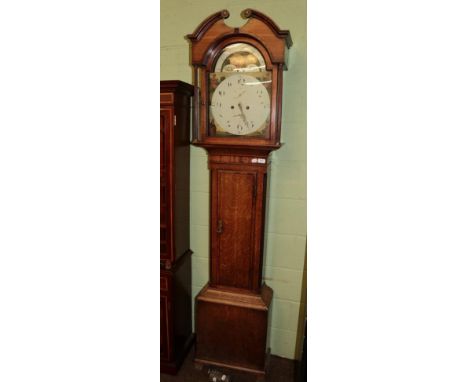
(240, 93)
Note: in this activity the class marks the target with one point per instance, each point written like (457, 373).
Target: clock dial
(240, 92)
(240, 105)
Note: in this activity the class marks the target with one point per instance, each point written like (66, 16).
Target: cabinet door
(165, 129)
(233, 228)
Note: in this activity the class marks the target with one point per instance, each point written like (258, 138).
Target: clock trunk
(237, 220)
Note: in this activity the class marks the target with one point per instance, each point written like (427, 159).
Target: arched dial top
(240, 57)
(240, 96)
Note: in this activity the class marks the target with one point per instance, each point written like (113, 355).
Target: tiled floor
(281, 370)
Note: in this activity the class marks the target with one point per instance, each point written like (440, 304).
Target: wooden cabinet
(175, 287)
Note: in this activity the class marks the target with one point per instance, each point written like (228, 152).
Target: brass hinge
(175, 119)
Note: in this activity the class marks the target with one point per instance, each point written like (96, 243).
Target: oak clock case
(238, 77)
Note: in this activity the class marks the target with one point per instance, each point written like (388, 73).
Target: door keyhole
(219, 228)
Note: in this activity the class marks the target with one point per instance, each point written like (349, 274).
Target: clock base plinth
(231, 329)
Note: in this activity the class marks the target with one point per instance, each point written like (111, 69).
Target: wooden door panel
(165, 171)
(236, 222)
(163, 122)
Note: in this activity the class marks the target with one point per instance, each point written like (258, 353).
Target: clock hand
(244, 118)
(241, 93)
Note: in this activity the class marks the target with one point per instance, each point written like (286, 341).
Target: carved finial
(207, 24)
(246, 13)
(250, 13)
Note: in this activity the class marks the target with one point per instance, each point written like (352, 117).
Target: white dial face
(240, 105)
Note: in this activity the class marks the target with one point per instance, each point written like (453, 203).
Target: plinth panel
(231, 328)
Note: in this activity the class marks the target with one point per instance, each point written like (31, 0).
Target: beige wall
(286, 218)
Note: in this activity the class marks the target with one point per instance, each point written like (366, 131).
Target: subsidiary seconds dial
(240, 105)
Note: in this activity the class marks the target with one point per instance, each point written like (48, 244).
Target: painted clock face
(240, 93)
(240, 105)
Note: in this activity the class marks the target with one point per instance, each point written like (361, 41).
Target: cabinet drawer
(166, 98)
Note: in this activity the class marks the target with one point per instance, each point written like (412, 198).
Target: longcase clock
(238, 77)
